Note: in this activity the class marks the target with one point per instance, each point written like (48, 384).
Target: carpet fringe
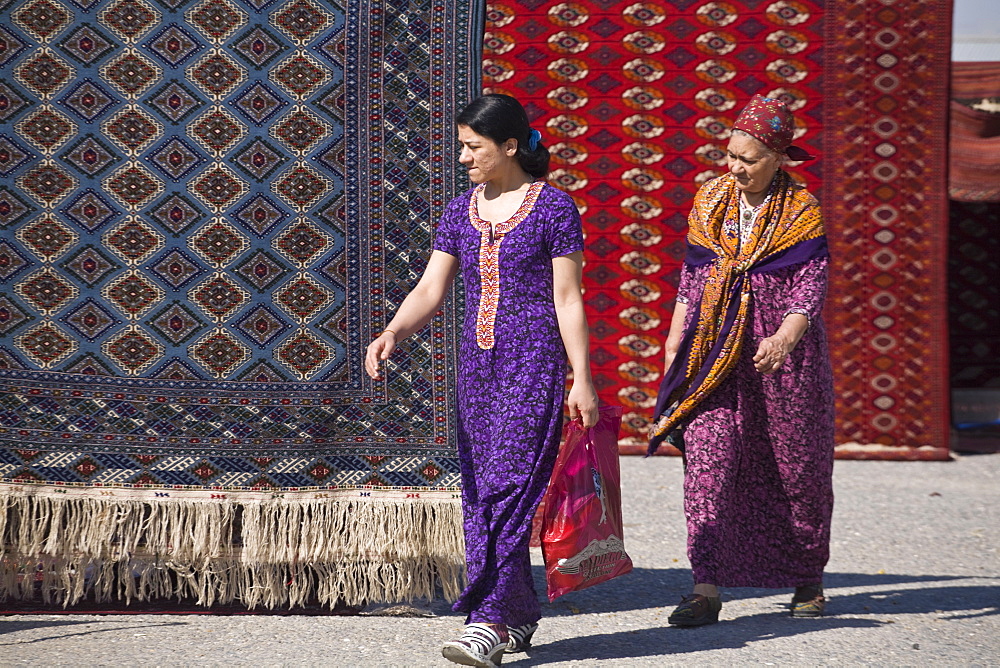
(272, 553)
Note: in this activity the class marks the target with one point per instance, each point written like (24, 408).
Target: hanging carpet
(974, 133)
(636, 100)
(208, 209)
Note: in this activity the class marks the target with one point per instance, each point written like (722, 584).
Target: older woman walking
(518, 243)
(748, 390)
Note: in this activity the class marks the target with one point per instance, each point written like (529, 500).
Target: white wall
(976, 30)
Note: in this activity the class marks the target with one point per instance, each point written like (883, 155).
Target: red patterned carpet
(635, 99)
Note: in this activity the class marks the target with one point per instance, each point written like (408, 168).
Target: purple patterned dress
(511, 383)
(758, 492)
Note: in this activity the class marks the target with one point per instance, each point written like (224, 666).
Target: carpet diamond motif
(176, 213)
(176, 323)
(175, 102)
(217, 131)
(175, 159)
(133, 240)
(258, 103)
(86, 44)
(260, 214)
(46, 291)
(47, 237)
(133, 350)
(129, 19)
(219, 352)
(217, 20)
(259, 160)
(47, 183)
(90, 266)
(303, 298)
(216, 74)
(46, 344)
(46, 128)
(174, 45)
(10, 45)
(176, 269)
(219, 297)
(261, 270)
(90, 156)
(131, 73)
(133, 294)
(303, 242)
(11, 102)
(258, 47)
(42, 19)
(218, 187)
(133, 186)
(88, 100)
(90, 320)
(300, 75)
(218, 242)
(302, 20)
(262, 325)
(12, 261)
(12, 156)
(90, 210)
(12, 316)
(132, 130)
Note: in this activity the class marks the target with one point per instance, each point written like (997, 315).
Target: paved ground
(914, 580)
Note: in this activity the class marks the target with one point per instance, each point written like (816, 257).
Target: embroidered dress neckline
(490, 238)
(495, 232)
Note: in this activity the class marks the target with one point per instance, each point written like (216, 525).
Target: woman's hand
(379, 351)
(772, 353)
(582, 403)
(416, 310)
(774, 350)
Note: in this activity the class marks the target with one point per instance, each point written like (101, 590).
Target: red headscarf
(770, 121)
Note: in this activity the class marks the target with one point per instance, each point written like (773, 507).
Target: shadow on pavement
(890, 595)
(7, 626)
(727, 634)
(646, 588)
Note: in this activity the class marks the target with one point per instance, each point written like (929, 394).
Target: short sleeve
(447, 235)
(565, 229)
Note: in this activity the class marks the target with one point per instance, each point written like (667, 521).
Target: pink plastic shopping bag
(582, 538)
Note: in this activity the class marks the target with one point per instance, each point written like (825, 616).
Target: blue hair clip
(533, 138)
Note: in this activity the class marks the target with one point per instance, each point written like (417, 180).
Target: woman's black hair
(501, 117)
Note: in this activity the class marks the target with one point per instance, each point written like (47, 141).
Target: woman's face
(752, 163)
(484, 158)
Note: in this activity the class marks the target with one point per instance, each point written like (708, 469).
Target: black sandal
(808, 601)
(696, 610)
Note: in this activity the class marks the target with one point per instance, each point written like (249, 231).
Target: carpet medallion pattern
(636, 100)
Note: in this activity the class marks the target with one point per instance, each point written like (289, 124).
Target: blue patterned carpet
(208, 209)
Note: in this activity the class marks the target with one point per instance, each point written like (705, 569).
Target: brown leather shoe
(808, 601)
(696, 610)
